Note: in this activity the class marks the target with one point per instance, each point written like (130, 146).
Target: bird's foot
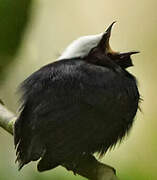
(72, 166)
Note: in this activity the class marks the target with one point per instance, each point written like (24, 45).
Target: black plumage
(76, 106)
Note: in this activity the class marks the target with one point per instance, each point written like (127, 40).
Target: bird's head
(95, 48)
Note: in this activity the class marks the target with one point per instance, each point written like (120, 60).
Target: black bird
(81, 104)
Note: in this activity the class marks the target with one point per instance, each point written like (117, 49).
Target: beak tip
(114, 22)
(128, 54)
(110, 27)
(135, 52)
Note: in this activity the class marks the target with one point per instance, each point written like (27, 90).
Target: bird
(83, 103)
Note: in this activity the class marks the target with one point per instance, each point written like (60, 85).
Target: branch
(88, 166)
(7, 119)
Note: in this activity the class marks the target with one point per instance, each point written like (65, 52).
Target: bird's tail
(28, 145)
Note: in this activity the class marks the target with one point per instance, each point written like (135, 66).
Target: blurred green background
(33, 34)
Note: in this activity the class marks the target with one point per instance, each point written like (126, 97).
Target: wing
(63, 103)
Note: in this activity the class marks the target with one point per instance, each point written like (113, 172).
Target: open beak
(122, 59)
(127, 54)
(104, 42)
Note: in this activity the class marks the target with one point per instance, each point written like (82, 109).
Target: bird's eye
(112, 56)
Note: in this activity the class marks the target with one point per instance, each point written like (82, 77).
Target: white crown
(81, 46)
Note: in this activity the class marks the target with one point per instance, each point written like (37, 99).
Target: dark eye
(113, 56)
